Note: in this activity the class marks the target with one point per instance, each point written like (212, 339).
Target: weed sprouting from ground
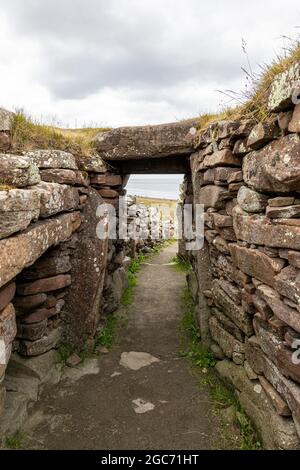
(182, 265)
(134, 268)
(199, 355)
(64, 352)
(222, 396)
(15, 442)
(107, 336)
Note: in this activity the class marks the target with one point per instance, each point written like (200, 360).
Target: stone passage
(58, 282)
(246, 279)
(141, 395)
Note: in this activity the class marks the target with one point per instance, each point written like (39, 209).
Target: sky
(155, 186)
(133, 62)
(110, 63)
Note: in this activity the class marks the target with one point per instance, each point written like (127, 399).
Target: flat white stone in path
(142, 406)
(137, 360)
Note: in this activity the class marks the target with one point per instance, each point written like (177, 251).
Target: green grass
(222, 396)
(15, 442)
(182, 265)
(194, 350)
(28, 134)
(134, 268)
(64, 352)
(108, 335)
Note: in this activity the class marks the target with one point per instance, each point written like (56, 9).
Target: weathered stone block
(275, 168)
(213, 196)
(221, 158)
(7, 293)
(260, 230)
(23, 250)
(127, 143)
(294, 125)
(17, 171)
(55, 198)
(37, 367)
(228, 325)
(281, 201)
(8, 327)
(275, 398)
(18, 207)
(256, 404)
(108, 193)
(107, 180)
(281, 310)
(28, 386)
(45, 285)
(28, 303)
(6, 118)
(225, 340)
(52, 159)
(283, 87)
(263, 365)
(283, 212)
(233, 311)
(38, 316)
(221, 245)
(256, 264)
(288, 284)
(51, 264)
(41, 346)
(262, 134)
(91, 164)
(71, 177)
(222, 221)
(294, 258)
(251, 201)
(240, 148)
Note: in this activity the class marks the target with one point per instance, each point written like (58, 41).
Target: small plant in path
(15, 442)
(107, 336)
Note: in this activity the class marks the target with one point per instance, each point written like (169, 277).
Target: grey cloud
(87, 46)
(153, 50)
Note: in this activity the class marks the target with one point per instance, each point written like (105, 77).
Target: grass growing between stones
(108, 335)
(237, 430)
(194, 350)
(64, 352)
(15, 442)
(182, 265)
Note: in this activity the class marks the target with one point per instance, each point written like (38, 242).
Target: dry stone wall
(58, 280)
(246, 279)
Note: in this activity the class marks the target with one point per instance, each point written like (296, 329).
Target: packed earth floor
(132, 401)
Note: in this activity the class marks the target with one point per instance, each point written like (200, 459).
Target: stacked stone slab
(39, 218)
(247, 175)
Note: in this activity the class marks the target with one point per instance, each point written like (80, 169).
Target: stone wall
(246, 279)
(58, 280)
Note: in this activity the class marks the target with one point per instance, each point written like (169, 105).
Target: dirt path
(159, 406)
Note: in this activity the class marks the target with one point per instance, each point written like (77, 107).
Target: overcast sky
(127, 62)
